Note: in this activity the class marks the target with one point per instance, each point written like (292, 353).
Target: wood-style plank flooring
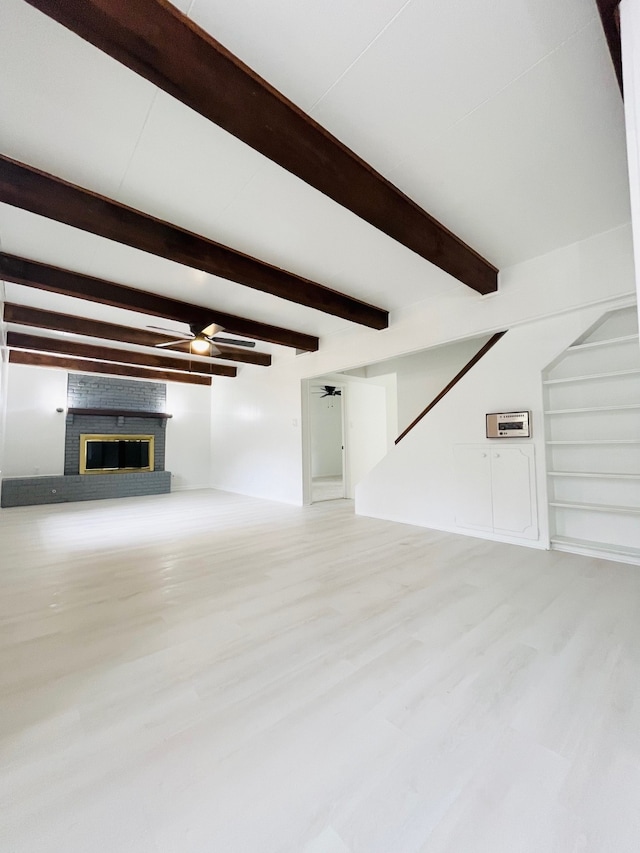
(208, 673)
(326, 489)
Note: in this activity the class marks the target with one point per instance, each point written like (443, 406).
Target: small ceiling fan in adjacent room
(202, 342)
(327, 391)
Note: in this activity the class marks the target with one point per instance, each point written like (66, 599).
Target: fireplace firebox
(113, 454)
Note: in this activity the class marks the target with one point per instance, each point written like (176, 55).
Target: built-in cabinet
(592, 432)
(496, 488)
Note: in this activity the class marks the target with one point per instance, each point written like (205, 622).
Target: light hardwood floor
(326, 489)
(207, 673)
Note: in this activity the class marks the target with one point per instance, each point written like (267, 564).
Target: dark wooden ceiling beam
(160, 43)
(52, 321)
(18, 340)
(40, 359)
(57, 280)
(610, 16)
(39, 192)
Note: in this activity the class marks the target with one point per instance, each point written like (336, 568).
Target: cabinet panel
(473, 482)
(513, 491)
(496, 489)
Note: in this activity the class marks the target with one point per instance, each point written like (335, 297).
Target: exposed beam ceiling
(39, 359)
(610, 17)
(18, 340)
(161, 44)
(31, 189)
(53, 321)
(56, 280)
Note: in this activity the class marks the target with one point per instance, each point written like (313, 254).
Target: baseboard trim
(597, 553)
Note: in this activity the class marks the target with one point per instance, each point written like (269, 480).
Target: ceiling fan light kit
(201, 345)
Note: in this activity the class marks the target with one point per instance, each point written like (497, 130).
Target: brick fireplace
(105, 406)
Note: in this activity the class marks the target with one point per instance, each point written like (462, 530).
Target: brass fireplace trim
(86, 437)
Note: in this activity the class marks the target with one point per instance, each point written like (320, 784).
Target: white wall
(416, 482)
(34, 431)
(326, 435)
(389, 382)
(422, 375)
(188, 440)
(4, 375)
(366, 428)
(630, 31)
(256, 433)
(257, 444)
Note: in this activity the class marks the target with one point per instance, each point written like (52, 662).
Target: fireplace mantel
(118, 413)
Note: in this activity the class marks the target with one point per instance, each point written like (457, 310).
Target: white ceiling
(502, 118)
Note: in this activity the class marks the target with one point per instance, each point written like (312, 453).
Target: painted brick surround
(103, 392)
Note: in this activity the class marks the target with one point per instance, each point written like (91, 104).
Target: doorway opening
(326, 420)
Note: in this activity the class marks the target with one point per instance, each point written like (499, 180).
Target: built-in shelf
(634, 371)
(570, 543)
(608, 404)
(620, 408)
(599, 441)
(606, 343)
(626, 510)
(119, 413)
(594, 475)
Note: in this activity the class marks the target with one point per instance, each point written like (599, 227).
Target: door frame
(307, 430)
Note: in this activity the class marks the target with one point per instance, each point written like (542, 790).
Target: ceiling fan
(328, 391)
(204, 341)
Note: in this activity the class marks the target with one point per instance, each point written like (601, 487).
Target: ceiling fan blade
(232, 342)
(173, 343)
(185, 336)
(211, 330)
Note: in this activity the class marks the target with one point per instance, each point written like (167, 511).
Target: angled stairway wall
(423, 480)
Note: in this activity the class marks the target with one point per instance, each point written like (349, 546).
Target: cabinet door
(473, 486)
(512, 475)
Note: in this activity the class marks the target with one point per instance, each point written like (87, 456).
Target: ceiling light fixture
(200, 345)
